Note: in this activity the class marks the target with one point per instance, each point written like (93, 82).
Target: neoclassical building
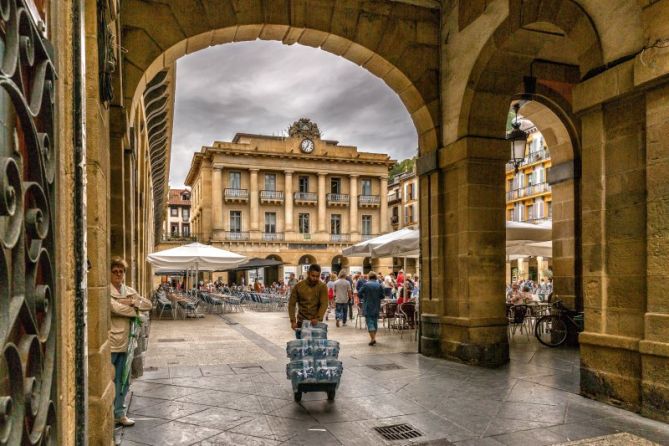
(299, 199)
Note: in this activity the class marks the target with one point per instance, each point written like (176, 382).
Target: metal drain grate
(385, 367)
(172, 340)
(398, 432)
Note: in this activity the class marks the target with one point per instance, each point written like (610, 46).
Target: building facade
(403, 201)
(247, 201)
(529, 199)
(177, 216)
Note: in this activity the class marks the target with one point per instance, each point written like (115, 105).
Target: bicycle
(552, 330)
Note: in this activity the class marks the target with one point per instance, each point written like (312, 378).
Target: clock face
(307, 145)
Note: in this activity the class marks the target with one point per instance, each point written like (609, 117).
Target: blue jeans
(118, 361)
(340, 311)
(372, 323)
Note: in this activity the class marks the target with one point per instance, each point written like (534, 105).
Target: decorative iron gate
(27, 191)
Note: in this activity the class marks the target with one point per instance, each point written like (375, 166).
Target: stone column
(353, 210)
(253, 198)
(321, 201)
(654, 347)
(217, 202)
(384, 206)
(288, 201)
(463, 237)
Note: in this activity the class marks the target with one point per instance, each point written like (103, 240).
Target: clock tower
(306, 131)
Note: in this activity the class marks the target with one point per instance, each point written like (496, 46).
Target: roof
(175, 197)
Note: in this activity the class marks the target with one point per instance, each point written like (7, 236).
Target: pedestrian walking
(310, 296)
(343, 294)
(372, 294)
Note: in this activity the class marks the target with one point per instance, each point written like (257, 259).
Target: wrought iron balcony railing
(368, 236)
(532, 158)
(369, 200)
(306, 197)
(338, 199)
(271, 195)
(272, 236)
(527, 191)
(236, 194)
(340, 238)
(394, 197)
(236, 235)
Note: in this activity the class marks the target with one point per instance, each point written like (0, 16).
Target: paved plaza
(220, 380)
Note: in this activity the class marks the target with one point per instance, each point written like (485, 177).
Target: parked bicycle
(552, 330)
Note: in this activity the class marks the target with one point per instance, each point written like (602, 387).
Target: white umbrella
(364, 248)
(402, 244)
(526, 248)
(195, 255)
(541, 232)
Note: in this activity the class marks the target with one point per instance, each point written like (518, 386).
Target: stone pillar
(288, 200)
(384, 224)
(353, 212)
(463, 240)
(321, 202)
(614, 250)
(253, 198)
(565, 275)
(654, 347)
(217, 202)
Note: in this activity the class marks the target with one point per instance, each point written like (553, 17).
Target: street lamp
(518, 140)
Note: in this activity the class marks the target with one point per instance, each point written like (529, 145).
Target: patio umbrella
(541, 232)
(526, 248)
(364, 248)
(195, 255)
(403, 243)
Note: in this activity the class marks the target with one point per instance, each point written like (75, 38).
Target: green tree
(402, 166)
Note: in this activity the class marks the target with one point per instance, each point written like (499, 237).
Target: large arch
(396, 41)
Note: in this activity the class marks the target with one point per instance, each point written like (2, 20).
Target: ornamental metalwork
(304, 128)
(27, 189)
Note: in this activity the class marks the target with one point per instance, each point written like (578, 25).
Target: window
(539, 208)
(304, 184)
(366, 187)
(185, 229)
(518, 210)
(174, 229)
(235, 221)
(270, 222)
(270, 181)
(366, 224)
(185, 213)
(235, 180)
(303, 221)
(185, 196)
(410, 192)
(174, 212)
(530, 212)
(335, 224)
(335, 186)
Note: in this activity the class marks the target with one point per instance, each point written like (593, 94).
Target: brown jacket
(121, 314)
(312, 301)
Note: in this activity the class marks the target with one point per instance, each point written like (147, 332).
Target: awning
(195, 256)
(256, 263)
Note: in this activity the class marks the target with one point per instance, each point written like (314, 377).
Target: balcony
(305, 236)
(272, 236)
(528, 191)
(532, 157)
(366, 237)
(305, 198)
(271, 197)
(236, 236)
(394, 197)
(236, 195)
(178, 238)
(369, 201)
(337, 199)
(395, 220)
(340, 238)
(537, 220)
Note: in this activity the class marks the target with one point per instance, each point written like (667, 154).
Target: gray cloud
(262, 87)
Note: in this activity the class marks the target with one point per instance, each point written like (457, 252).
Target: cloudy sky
(262, 87)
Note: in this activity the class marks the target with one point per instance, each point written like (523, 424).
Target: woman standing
(125, 304)
(371, 294)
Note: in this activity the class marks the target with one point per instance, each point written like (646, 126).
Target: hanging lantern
(518, 140)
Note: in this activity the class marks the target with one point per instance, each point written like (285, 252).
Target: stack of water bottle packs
(313, 359)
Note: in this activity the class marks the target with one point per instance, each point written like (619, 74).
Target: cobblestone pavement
(239, 395)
